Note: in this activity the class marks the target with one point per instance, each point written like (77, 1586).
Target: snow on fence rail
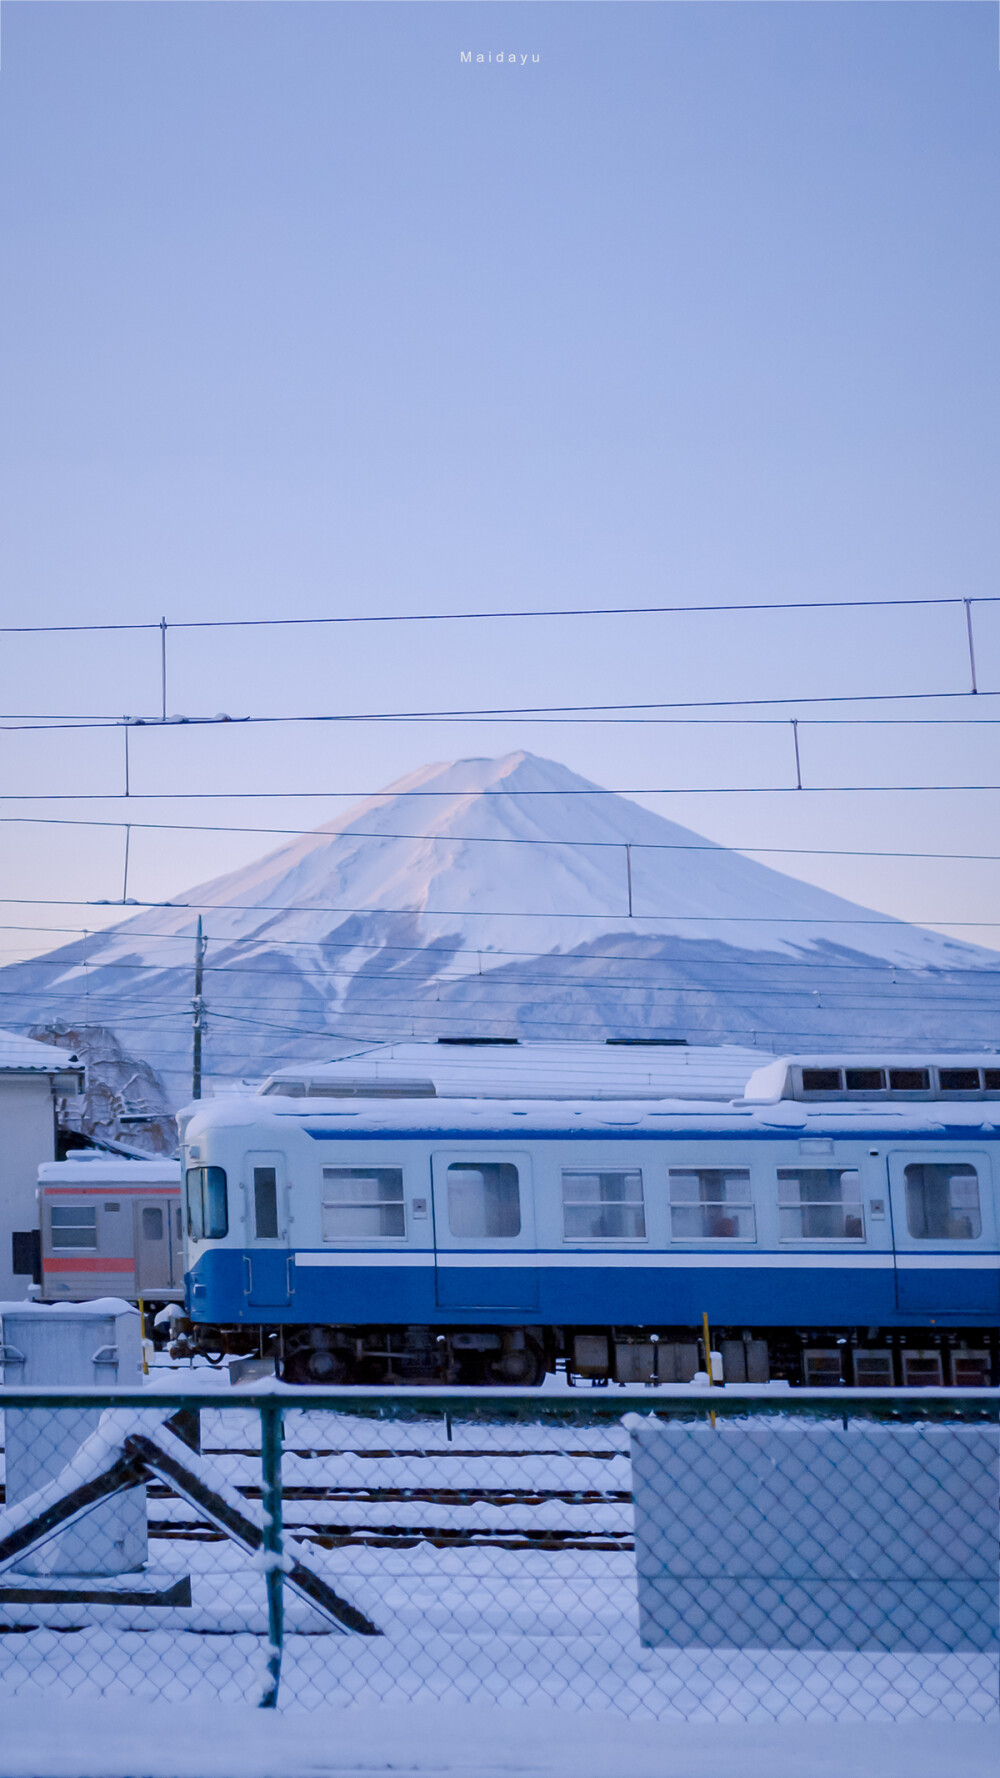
(311, 1548)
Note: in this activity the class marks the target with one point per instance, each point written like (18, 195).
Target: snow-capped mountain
(507, 896)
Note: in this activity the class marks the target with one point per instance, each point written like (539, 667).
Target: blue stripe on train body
(538, 1277)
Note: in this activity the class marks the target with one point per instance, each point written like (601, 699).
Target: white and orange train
(110, 1227)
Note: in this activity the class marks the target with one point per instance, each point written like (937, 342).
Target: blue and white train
(837, 1222)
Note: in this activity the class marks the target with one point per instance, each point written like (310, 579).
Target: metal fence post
(271, 1434)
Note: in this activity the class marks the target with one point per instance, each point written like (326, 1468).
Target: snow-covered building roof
(24, 1055)
(523, 1070)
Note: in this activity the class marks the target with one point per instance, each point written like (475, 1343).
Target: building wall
(27, 1137)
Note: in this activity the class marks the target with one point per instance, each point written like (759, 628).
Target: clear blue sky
(302, 315)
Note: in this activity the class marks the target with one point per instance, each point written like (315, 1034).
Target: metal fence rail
(715, 1554)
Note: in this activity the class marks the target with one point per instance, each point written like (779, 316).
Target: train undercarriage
(865, 1357)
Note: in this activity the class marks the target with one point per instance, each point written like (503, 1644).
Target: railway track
(436, 1496)
(403, 1452)
(342, 1529)
(338, 1533)
(402, 1537)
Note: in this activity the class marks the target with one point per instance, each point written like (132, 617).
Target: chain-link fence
(711, 1555)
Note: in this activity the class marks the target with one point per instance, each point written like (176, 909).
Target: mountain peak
(464, 780)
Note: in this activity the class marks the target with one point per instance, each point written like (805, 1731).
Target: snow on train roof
(534, 1116)
(95, 1166)
(476, 1070)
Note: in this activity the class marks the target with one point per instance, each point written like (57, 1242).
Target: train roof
(93, 1167)
(477, 1068)
(521, 1119)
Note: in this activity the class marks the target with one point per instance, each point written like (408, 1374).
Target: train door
(175, 1217)
(152, 1237)
(944, 1230)
(268, 1263)
(484, 1231)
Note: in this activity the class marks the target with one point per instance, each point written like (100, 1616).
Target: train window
(991, 1079)
(179, 1223)
(909, 1080)
(265, 1203)
(821, 1080)
(820, 1204)
(484, 1199)
(711, 1204)
(603, 1206)
(207, 1203)
(958, 1080)
(152, 1222)
(942, 1201)
(864, 1080)
(74, 1225)
(362, 1202)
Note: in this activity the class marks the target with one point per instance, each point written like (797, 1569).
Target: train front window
(942, 1201)
(711, 1204)
(74, 1225)
(207, 1203)
(484, 1200)
(362, 1203)
(603, 1206)
(820, 1204)
(265, 1203)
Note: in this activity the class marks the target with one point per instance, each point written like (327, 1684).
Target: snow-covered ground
(539, 1643)
(135, 1739)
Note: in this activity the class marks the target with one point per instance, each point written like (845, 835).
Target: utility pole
(198, 1009)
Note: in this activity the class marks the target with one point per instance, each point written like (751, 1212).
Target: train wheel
(316, 1364)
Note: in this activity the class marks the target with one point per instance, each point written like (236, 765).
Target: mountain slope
(421, 910)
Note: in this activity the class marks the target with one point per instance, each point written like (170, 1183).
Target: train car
(837, 1222)
(110, 1227)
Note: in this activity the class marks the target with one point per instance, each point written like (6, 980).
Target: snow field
(119, 1738)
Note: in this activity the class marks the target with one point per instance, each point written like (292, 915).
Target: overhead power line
(184, 796)
(816, 1037)
(475, 839)
(391, 996)
(515, 614)
(38, 725)
(265, 909)
(811, 982)
(541, 713)
(799, 998)
(729, 608)
(266, 942)
(452, 1012)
